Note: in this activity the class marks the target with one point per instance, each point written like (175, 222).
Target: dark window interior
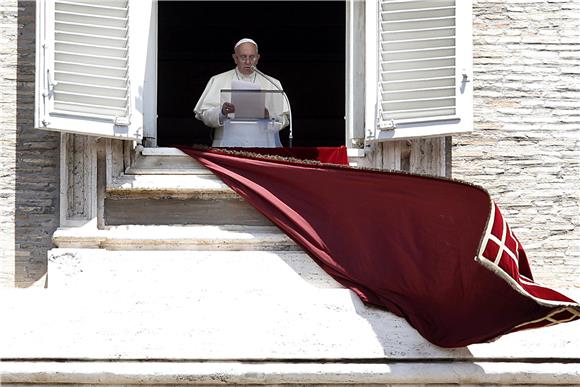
(302, 44)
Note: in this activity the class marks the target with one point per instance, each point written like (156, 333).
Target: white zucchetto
(245, 40)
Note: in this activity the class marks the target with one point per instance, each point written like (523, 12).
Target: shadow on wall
(37, 165)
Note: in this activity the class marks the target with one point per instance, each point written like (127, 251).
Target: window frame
(431, 127)
(46, 118)
(362, 76)
(355, 75)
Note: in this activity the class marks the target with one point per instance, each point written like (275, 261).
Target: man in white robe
(214, 113)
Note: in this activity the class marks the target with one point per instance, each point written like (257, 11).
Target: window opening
(302, 44)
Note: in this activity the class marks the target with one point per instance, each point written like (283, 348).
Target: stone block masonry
(29, 158)
(8, 62)
(526, 145)
(525, 148)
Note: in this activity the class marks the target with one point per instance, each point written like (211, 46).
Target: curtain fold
(434, 251)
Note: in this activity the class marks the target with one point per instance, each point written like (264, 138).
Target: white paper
(248, 104)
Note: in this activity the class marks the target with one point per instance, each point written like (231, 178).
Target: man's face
(245, 57)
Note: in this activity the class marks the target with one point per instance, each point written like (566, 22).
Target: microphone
(254, 68)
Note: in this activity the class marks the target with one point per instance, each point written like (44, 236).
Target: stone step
(176, 199)
(167, 211)
(302, 323)
(179, 272)
(169, 186)
(176, 237)
(159, 161)
(288, 373)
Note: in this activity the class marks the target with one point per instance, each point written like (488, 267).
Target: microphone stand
(285, 96)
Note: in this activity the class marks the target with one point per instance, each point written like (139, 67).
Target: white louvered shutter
(84, 82)
(424, 68)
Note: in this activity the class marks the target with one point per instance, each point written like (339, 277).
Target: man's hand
(228, 108)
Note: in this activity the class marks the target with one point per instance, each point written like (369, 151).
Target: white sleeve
(208, 107)
(211, 117)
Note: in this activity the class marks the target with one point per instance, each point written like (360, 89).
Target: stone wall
(526, 145)
(524, 150)
(29, 157)
(8, 37)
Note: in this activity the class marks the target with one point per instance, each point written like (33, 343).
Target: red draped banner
(434, 251)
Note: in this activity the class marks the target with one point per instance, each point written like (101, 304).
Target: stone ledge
(177, 186)
(223, 323)
(175, 237)
(288, 373)
(163, 152)
(184, 271)
(166, 161)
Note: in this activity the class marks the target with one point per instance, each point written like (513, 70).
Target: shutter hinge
(122, 121)
(51, 83)
(358, 143)
(388, 125)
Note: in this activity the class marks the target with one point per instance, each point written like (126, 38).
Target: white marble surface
(173, 237)
(173, 305)
(275, 373)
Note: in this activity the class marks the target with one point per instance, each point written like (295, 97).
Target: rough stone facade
(8, 37)
(526, 145)
(29, 180)
(524, 150)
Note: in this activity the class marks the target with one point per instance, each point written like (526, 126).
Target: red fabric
(420, 247)
(331, 155)
(501, 247)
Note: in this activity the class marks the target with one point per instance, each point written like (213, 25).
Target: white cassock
(208, 110)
